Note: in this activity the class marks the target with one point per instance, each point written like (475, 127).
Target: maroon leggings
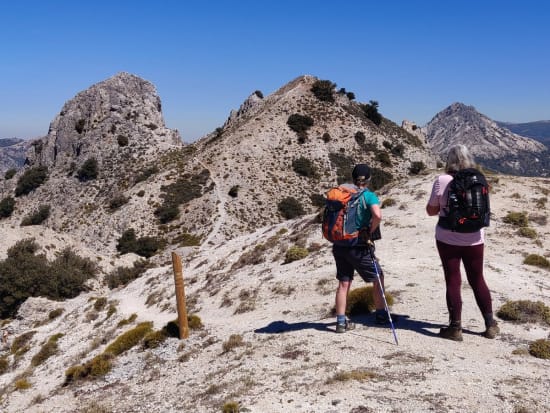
(472, 257)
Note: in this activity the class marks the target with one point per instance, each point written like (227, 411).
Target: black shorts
(350, 259)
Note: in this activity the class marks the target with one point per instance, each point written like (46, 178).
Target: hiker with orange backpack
(351, 222)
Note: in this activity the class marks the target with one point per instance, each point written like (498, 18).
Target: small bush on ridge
(290, 208)
(7, 206)
(30, 180)
(295, 253)
(540, 348)
(37, 217)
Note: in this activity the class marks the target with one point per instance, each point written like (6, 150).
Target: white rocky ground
(291, 355)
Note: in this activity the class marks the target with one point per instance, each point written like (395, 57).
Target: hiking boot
(342, 328)
(492, 330)
(451, 333)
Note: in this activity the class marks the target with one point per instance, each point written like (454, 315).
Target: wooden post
(180, 296)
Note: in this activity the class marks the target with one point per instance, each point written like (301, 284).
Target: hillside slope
(290, 359)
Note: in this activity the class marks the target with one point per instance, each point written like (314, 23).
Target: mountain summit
(493, 146)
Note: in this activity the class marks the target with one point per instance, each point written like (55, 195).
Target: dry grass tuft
(525, 311)
(361, 301)
(358, 375)
(540, 349)
(234, 341)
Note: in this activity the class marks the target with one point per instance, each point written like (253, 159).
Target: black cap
(361, 172)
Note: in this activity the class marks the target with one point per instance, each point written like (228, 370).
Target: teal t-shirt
(364, 216)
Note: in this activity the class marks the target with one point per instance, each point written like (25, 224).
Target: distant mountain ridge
(493, 146)
(9, 142)
(538, 130)
(12, 153)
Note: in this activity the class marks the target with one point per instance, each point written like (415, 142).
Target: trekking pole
(375, 263)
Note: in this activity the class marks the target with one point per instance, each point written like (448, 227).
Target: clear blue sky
(206, 57)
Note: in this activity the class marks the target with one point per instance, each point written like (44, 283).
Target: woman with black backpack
(456, 244)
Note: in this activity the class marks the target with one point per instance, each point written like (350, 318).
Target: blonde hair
(458, 158)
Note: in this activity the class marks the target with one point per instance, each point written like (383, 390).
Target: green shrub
(117, 201)
(146, 173)
(187, 240)
(384, 158)
(37, 217)
(22, 384)
(360, 137)
(358, 375)
(67, 275)
(540, 348)
(99, 366)
(518, 219)
(541, 202)
(194, 322)
(30, 180)
(153, 339)
(122, 140)
(295, 253)
(166, 213)
(344, 165)
(129, 339)
(388, 202)
(234, 341)
(290, 208)
(52, 315)
(20, 344)
(371, 112)
(122, 276)
(4, 364)
(184, 190)
(24, 274)
(525, 311)
(143, 246)
(100, 303)
(379, 178)
(361, 301)
(326, 137)
(537, 261)
(259, 94)
(305, 167)
(231, 407)
(88, 171)
(527, 232)
(416, 167)
(127, 321)
(46, 351)
(323, 90)
(234, 191)
(252, 257)
(79, 125)
(317, 200)
(10, 173)
(299, 123)
(7, 206)
(398, 150)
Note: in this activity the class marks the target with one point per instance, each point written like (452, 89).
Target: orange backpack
(340, 215)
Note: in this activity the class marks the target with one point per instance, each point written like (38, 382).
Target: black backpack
(468, 204)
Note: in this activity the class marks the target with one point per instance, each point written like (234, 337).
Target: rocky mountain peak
(121, 111)
(493, 146)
